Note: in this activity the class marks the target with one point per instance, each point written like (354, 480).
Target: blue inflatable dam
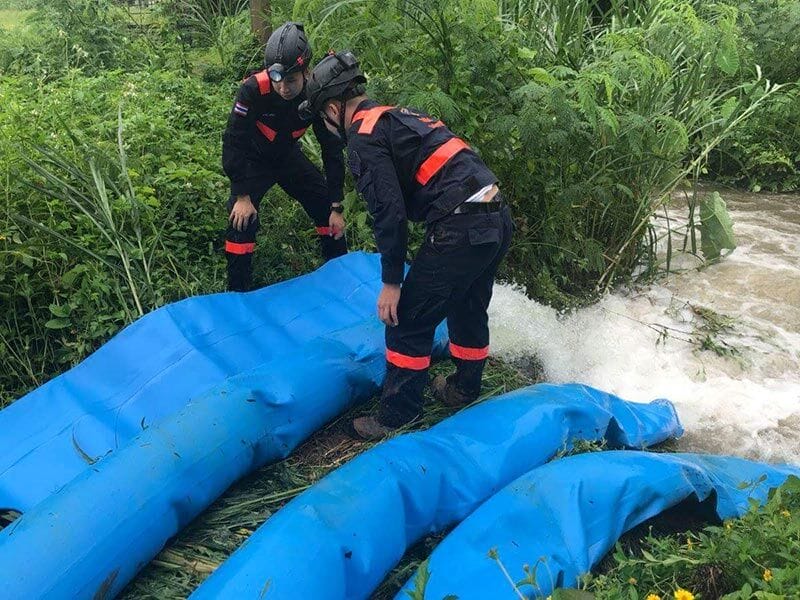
(341, 537)
(562, 518)
(151, 369)
(91, 537)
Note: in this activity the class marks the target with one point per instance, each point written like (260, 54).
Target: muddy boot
(368, 428)
(448, 394)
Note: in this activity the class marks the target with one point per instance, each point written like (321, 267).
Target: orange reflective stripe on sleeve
(264, 86)
(299, 132)
(415, 363)
(369, 117)
(323, 230)
(465, 353)
(240, 248)
(439, 158)
(268, 132)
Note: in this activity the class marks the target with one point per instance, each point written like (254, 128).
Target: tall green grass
(12, 18)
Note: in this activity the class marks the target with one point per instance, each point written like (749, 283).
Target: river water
(645, 343)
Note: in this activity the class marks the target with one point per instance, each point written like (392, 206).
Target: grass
(200, 548)
(11, 18)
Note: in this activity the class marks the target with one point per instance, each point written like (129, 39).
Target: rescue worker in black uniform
(409, 166)
(260, 148)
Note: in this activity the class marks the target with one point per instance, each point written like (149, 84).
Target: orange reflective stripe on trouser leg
(240, 248)
(415, 363)
(465, 353)
(439, 158)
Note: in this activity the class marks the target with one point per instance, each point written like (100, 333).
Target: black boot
(240, 272)
(331, 247)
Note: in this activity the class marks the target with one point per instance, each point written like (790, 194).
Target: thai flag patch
(240, 109)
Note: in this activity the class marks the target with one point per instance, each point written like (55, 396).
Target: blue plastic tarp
(340, 538)
(151, 369)
(89, 538)
(562, 518)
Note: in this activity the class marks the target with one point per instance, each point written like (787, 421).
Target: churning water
(641, 344)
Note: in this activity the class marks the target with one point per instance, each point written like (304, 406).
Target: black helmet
(287, 51)
(337, 76)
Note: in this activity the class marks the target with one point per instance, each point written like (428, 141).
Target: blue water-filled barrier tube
(151, 369)
(340, 538)
(561, 519)
(89, 538)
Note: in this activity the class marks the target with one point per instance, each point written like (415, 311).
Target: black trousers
(451, 277)
(301, 180)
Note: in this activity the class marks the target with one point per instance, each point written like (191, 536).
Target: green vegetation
(751, 557)
(110, 142)
(12, 18)
(591, 113)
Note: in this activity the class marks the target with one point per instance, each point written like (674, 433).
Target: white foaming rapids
(747, 404)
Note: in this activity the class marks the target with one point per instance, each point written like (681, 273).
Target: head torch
(277, 72)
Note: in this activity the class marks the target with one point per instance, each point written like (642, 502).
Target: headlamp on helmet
(287, 51)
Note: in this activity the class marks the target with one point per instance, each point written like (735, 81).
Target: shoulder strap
(369, 117)
(264, 86)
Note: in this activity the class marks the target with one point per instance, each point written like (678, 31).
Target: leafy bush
(105, 219)
(17, 4)
(585, 121)
(764, 153)
(588, 116)
(751, 557)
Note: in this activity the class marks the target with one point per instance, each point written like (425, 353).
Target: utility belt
(454, 201)
(491, 202)
(474, 208)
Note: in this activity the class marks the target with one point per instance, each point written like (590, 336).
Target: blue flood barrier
(562, 518)
(153, 367)
(340, 538)
(90, 538)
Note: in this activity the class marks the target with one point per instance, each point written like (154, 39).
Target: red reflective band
(264, 86)
(415, 363)
(370, 116)
(268, 132)
(439, 158)
(465, 353)
(237, 248)
(299, 132)
(323, 230)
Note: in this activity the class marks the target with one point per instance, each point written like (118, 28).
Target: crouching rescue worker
(409, 166)
(260, 148)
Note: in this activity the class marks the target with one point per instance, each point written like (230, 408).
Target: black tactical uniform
(411, 167)
(260, 148)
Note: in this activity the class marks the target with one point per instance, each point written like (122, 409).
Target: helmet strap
(340, 127)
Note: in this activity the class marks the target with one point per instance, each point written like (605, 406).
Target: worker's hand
(387, 304)
(242, 213)
(336, 222)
